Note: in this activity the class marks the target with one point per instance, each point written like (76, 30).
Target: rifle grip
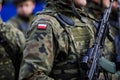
(84, 63)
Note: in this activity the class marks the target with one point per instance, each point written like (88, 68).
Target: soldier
(12, 40)
(6, 67)
(24, 14)
(55, 42)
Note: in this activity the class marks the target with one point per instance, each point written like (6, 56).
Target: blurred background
(9, 9)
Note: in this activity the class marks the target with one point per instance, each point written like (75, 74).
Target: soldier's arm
(39, 52)
(12, 36)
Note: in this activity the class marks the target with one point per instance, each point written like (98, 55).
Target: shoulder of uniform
(43, 20)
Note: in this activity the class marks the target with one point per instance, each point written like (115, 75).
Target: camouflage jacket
(94, 9)
(53, 51)
(6, 67)
(13, 41)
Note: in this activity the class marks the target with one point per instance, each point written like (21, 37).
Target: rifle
(117, 40)
(90, 61)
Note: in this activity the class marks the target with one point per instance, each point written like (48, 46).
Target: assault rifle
(90, 61)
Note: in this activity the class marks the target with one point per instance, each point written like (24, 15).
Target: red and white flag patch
(42, 26)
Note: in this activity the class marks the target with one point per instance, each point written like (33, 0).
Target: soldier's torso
(67, 62)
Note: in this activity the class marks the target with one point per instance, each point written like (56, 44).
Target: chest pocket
(81, 34)
(82, 38)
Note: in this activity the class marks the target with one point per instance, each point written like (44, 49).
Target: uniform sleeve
(39, 51)
(14, 37)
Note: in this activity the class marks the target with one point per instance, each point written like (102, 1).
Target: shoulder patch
(41, 26)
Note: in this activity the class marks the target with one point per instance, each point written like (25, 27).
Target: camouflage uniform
(20, 22)
(16, 41)
(53, 50)
(13, 42)
(94, 10)
(6, 67)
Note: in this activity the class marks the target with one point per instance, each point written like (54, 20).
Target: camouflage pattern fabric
(6, 67)
(22, 24)
(12, 35)
(15, 39)
(94, 9)
(53, 54)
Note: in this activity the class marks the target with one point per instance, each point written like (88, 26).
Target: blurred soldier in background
(6, 67)
(24, 14)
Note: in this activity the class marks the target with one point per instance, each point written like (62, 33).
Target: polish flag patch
(42, 26)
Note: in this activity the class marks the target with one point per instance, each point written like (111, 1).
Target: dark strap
(64, 25)
(64, 20)
(74, 10)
